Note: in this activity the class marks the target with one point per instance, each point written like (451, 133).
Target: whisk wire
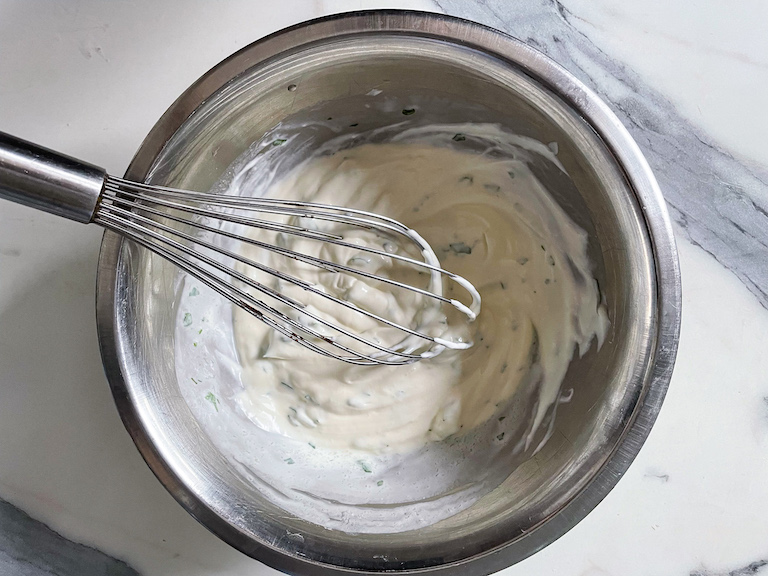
(254, 205)
(136, 210)
(242, 298)
(257, 285)
(320, 263)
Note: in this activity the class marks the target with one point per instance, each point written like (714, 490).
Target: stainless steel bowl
(323, 69)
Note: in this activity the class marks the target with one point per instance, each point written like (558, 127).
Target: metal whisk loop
(125, 222)
(155, 194)
(135, 210)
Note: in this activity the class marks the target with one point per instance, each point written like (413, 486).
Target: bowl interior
(444, 82)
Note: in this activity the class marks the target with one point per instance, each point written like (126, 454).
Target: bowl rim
(571, 90)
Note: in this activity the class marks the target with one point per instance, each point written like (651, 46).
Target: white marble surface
(687, 77)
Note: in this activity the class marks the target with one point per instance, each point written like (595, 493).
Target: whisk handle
(41, 178)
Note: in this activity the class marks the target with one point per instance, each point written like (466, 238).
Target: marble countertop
(687, 77)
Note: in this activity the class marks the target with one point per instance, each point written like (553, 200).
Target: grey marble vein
(719, 202)
(749, 570)
(30, 548)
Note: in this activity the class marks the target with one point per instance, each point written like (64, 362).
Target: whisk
(186, 228)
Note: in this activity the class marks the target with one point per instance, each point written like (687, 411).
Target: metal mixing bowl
(324, 69)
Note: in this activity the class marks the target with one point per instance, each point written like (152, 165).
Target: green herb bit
(194, 291)
(502, 418)
(503, 287)
(279, 142)
(380, 483)
(460, 248)
(187, 319)
(542, 247)
(408, 111)
(459, 137)
(195, 381)
(287, 385)
(511, 174)
(500, 437)
(200, 331)
(503, 367)
(365, 467)
(194, 344)
(211, 397)
(288, 460)
(313, 446)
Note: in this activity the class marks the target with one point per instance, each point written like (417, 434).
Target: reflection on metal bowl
(324, 69)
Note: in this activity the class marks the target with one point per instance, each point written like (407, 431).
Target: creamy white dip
(387, 449)
(488, 220)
